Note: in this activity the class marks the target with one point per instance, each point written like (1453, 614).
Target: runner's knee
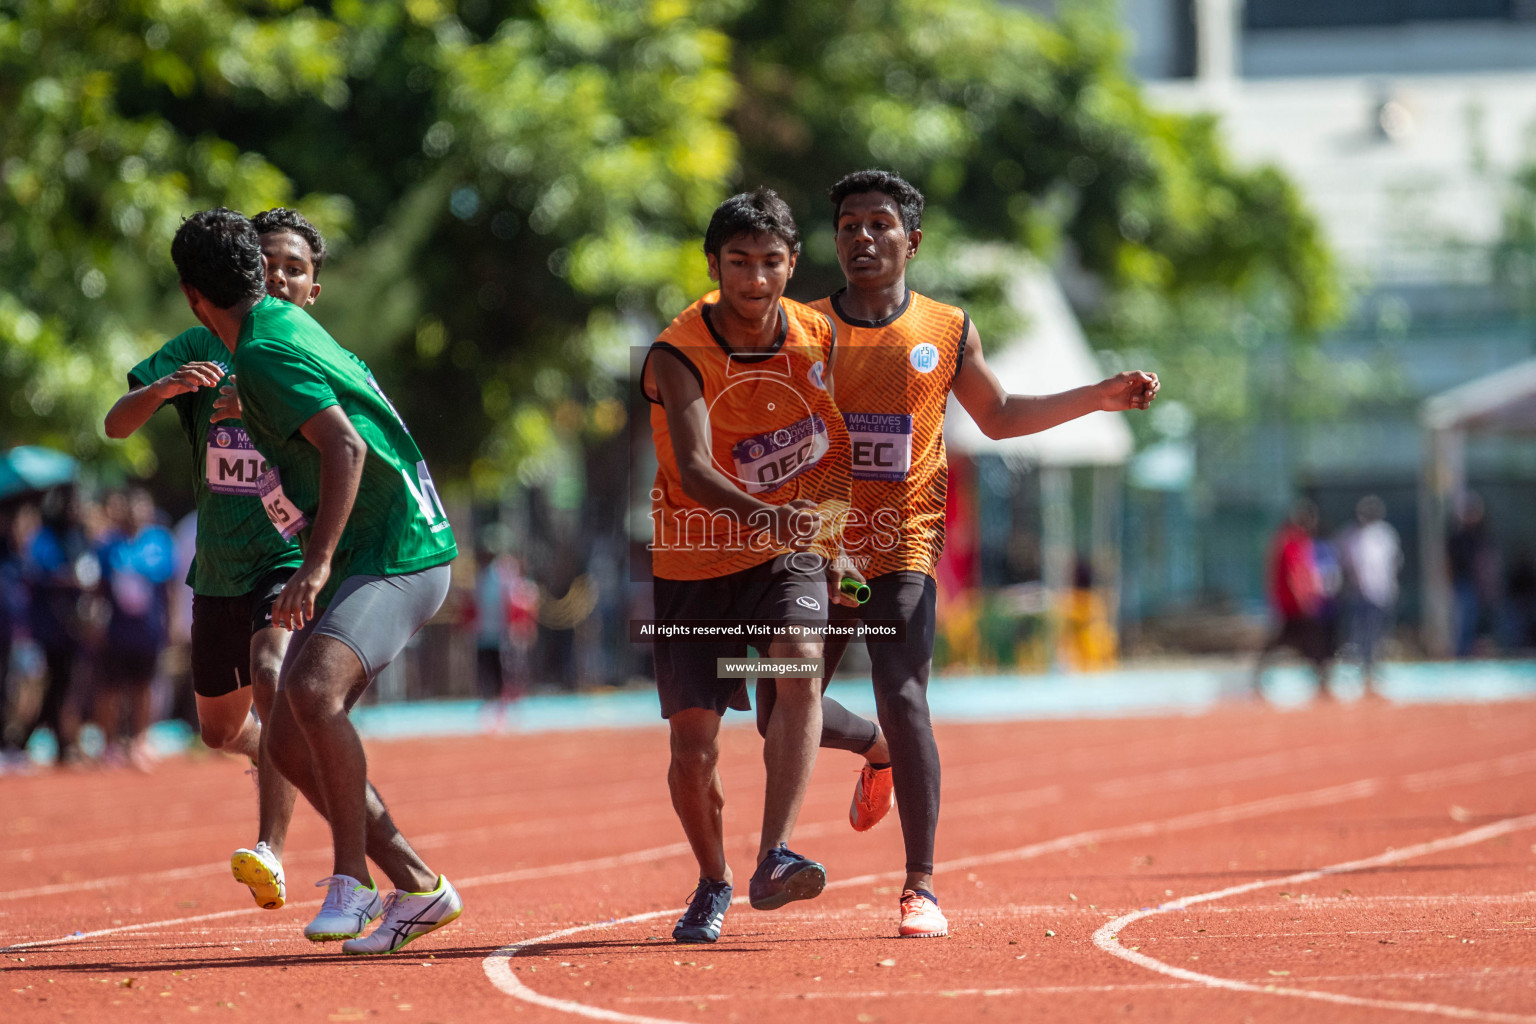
(218, 735)
(311, 698)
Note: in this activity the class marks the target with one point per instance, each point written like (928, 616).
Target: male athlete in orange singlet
(752, 485)
(899, 357)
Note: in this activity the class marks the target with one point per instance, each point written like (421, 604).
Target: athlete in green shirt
(346, 479)
(241, 562)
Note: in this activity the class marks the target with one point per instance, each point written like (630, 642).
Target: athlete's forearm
(714, 491)
(132, 411)
(1017, 415)
(342, 453)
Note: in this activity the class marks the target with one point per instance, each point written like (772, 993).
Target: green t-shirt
(236, 545)
(289, 369)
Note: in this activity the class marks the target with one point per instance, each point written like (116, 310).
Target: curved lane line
(1107, 937)
(498, 966)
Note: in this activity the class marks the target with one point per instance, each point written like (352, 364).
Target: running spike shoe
(263, 873)
(784, 876)
(407, 917)
(705, 914)
(873, 798)
(349, 907)
(921, 917)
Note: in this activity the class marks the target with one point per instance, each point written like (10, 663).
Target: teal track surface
(1124, 693)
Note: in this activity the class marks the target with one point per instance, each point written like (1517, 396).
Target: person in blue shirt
(56, 567)
(137, 561)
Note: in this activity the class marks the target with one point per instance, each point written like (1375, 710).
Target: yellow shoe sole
(251, 872)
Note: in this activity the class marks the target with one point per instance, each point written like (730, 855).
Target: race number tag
(882, 444)
(284, 514)
(232, 462)
(767, 461)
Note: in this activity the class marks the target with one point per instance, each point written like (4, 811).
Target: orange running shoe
(873, 798)
(921, 917)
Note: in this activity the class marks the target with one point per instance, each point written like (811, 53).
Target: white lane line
(720, 997)
(1278, 763)
(994, 804)
(524, 874)
(1477, 771)
(498, 966)
(928, 993)
(1199, 819)
(1106, 937)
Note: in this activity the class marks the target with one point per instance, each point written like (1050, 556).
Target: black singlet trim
(965, 332)
(748, 357)
(669, 347)
(837, 306)
(831, 347)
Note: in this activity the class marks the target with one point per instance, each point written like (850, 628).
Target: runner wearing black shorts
(751, 487)
(242, 560)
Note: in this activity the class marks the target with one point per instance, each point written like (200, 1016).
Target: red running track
(1359, 863)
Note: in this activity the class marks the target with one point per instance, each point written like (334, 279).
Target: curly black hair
(218, 253)
(281, 218)
(908, 199)
(759, 212)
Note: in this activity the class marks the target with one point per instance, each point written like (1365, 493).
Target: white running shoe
(408, 916)
(349, 907)
(263, 872)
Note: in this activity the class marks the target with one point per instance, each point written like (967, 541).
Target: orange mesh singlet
(892, 382)
(774, 431)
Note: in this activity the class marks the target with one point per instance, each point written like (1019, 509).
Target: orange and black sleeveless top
(892, 384)
(773, 431)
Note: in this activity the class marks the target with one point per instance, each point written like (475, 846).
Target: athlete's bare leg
(275, 794)
(697, 794)
(789, 745)
(225, 722)
(388, 848)
(320, 686)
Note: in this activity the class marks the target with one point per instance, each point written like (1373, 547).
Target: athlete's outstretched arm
(342, 452)
(688, 422)
(1000, 414)
(134, 409)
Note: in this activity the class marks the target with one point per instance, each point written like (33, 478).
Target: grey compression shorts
(375, 616)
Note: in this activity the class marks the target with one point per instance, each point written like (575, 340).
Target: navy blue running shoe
(784, 876)
(706, 912)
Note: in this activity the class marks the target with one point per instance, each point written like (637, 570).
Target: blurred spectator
(138, 559)
(12, 610)
(1372, 556)
(1473, 561)
(57, 567)
(1087, 639)
(1330, 578)
(1298, 594)
(504, 626)
(1520, 594)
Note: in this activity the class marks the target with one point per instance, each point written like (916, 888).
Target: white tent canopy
(1050, 355)
(1503, 402)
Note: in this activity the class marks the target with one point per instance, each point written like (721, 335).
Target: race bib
(232, 463)
(882, 444)
(767, 461)
(285, 515)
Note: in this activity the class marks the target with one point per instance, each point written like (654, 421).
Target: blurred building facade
(1404, 124)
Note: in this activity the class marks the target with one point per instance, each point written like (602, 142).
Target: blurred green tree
(516, 190)
(535, 174)
(1030, 133)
